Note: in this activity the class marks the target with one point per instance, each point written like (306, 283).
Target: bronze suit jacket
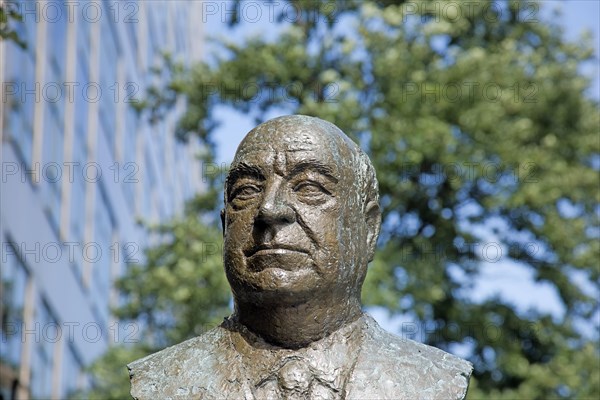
(359, 361)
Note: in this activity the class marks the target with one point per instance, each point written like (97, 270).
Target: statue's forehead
(285, 138)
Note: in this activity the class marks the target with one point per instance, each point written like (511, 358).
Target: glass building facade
(80, 167)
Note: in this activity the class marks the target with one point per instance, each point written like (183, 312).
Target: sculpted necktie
(295, 381)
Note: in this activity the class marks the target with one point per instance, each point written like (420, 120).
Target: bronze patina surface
(300, 223)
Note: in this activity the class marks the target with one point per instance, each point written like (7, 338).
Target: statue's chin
(281, 286)
(275, 278)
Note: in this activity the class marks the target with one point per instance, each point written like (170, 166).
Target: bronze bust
(300, 224)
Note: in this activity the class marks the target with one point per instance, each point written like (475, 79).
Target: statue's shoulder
(405, 369)
(179, 370)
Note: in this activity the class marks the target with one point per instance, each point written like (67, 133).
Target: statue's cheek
(240, 221)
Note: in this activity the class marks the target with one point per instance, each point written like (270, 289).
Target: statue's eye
(246, 192)
(309, 189)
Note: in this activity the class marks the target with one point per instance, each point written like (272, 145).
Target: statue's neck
(295, 326)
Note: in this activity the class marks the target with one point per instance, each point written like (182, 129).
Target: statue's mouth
(268, 249)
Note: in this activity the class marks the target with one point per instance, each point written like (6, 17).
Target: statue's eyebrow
(243, 170)
(313, 165)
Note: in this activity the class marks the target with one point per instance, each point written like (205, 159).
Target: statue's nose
(275, 208)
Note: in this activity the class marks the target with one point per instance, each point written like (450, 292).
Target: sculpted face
(294, 223)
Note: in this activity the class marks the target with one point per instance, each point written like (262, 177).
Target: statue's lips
(279, 257)
(264, 250)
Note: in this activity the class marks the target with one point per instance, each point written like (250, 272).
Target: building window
(80, 145)
(132, 27)
(83, 36)
(47, 333)
(57, 39)
(31, 14)
(130, 166)
(52, 161)
(150, 37)
(77, 219)
(51, 169)
(72, 372)
(148, 186)
(180, 43)
(112, 92)
(101, 268)
(13, 279)
(81, 102)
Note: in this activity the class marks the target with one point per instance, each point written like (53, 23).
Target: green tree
(478, 124)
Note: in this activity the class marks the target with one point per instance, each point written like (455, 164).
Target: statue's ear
(223, 220)
(373, 220)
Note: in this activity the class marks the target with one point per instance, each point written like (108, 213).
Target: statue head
(301, 216)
